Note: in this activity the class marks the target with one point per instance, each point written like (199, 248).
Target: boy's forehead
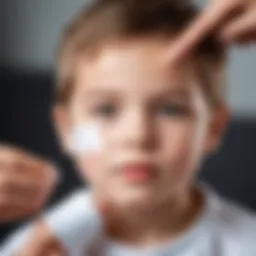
(133, 62)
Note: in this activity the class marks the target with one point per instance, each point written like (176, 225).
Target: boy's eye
(171, 110)
(105, 110)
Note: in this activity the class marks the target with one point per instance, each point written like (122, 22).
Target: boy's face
(154, 122)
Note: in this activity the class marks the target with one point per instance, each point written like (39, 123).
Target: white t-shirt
(223, 229)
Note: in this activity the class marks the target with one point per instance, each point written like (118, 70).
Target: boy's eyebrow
(177, 92)
(99, 93)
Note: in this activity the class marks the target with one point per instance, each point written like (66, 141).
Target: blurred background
(30, 32)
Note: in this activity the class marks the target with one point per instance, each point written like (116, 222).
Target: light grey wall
(33, 28)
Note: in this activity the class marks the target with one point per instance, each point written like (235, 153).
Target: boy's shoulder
(234, 224)
(230, 212)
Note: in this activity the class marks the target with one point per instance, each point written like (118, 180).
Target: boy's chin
(135, 199)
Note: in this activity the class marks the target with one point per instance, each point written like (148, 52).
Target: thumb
(41, 239)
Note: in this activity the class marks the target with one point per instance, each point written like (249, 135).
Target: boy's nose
(139, 130)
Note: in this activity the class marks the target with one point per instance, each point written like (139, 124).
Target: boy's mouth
(138, 172)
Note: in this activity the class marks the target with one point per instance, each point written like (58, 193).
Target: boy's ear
(62, 127)
(217, 128)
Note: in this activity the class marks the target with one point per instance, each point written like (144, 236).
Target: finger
(18, 183)
(55, 250)
(13, 160)
(29, 201)
(246, 39)
(20, 160)
(206, 23)
(240, 28)
(48, 174)
(8, 152)
(36, 174)
(8, 215)
(17, 210)
(34, 167)
(26, 181)
(15, 186)
(13, 154)
(20, 198)
(54, 253)
(42, 242)
(31, 248)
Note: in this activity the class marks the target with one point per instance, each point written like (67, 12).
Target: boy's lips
(138, 172)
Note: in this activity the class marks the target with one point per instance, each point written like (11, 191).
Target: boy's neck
(162, 224)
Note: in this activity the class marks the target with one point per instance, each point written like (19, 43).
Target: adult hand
(26, 182)
(233, 21)
(42, 242)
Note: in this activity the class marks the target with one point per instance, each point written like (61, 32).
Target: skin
(171, 127)
(26, 182)
(234, 21)
(41, 245)
(145, 92)
(241, 28)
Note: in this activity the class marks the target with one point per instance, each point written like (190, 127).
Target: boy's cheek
(90, 166)
(183, 143)
(86, 148)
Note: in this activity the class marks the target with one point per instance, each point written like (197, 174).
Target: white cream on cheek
(85, 139)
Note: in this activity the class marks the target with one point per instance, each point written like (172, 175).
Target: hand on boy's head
(241, 29)
(25, 183)
(233, 21)
(42, 242)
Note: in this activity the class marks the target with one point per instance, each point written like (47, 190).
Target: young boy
(138, 128)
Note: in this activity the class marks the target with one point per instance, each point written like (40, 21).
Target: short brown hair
(106, 20)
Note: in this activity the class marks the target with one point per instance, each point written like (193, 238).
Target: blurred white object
(223, 229)
(75, 222)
